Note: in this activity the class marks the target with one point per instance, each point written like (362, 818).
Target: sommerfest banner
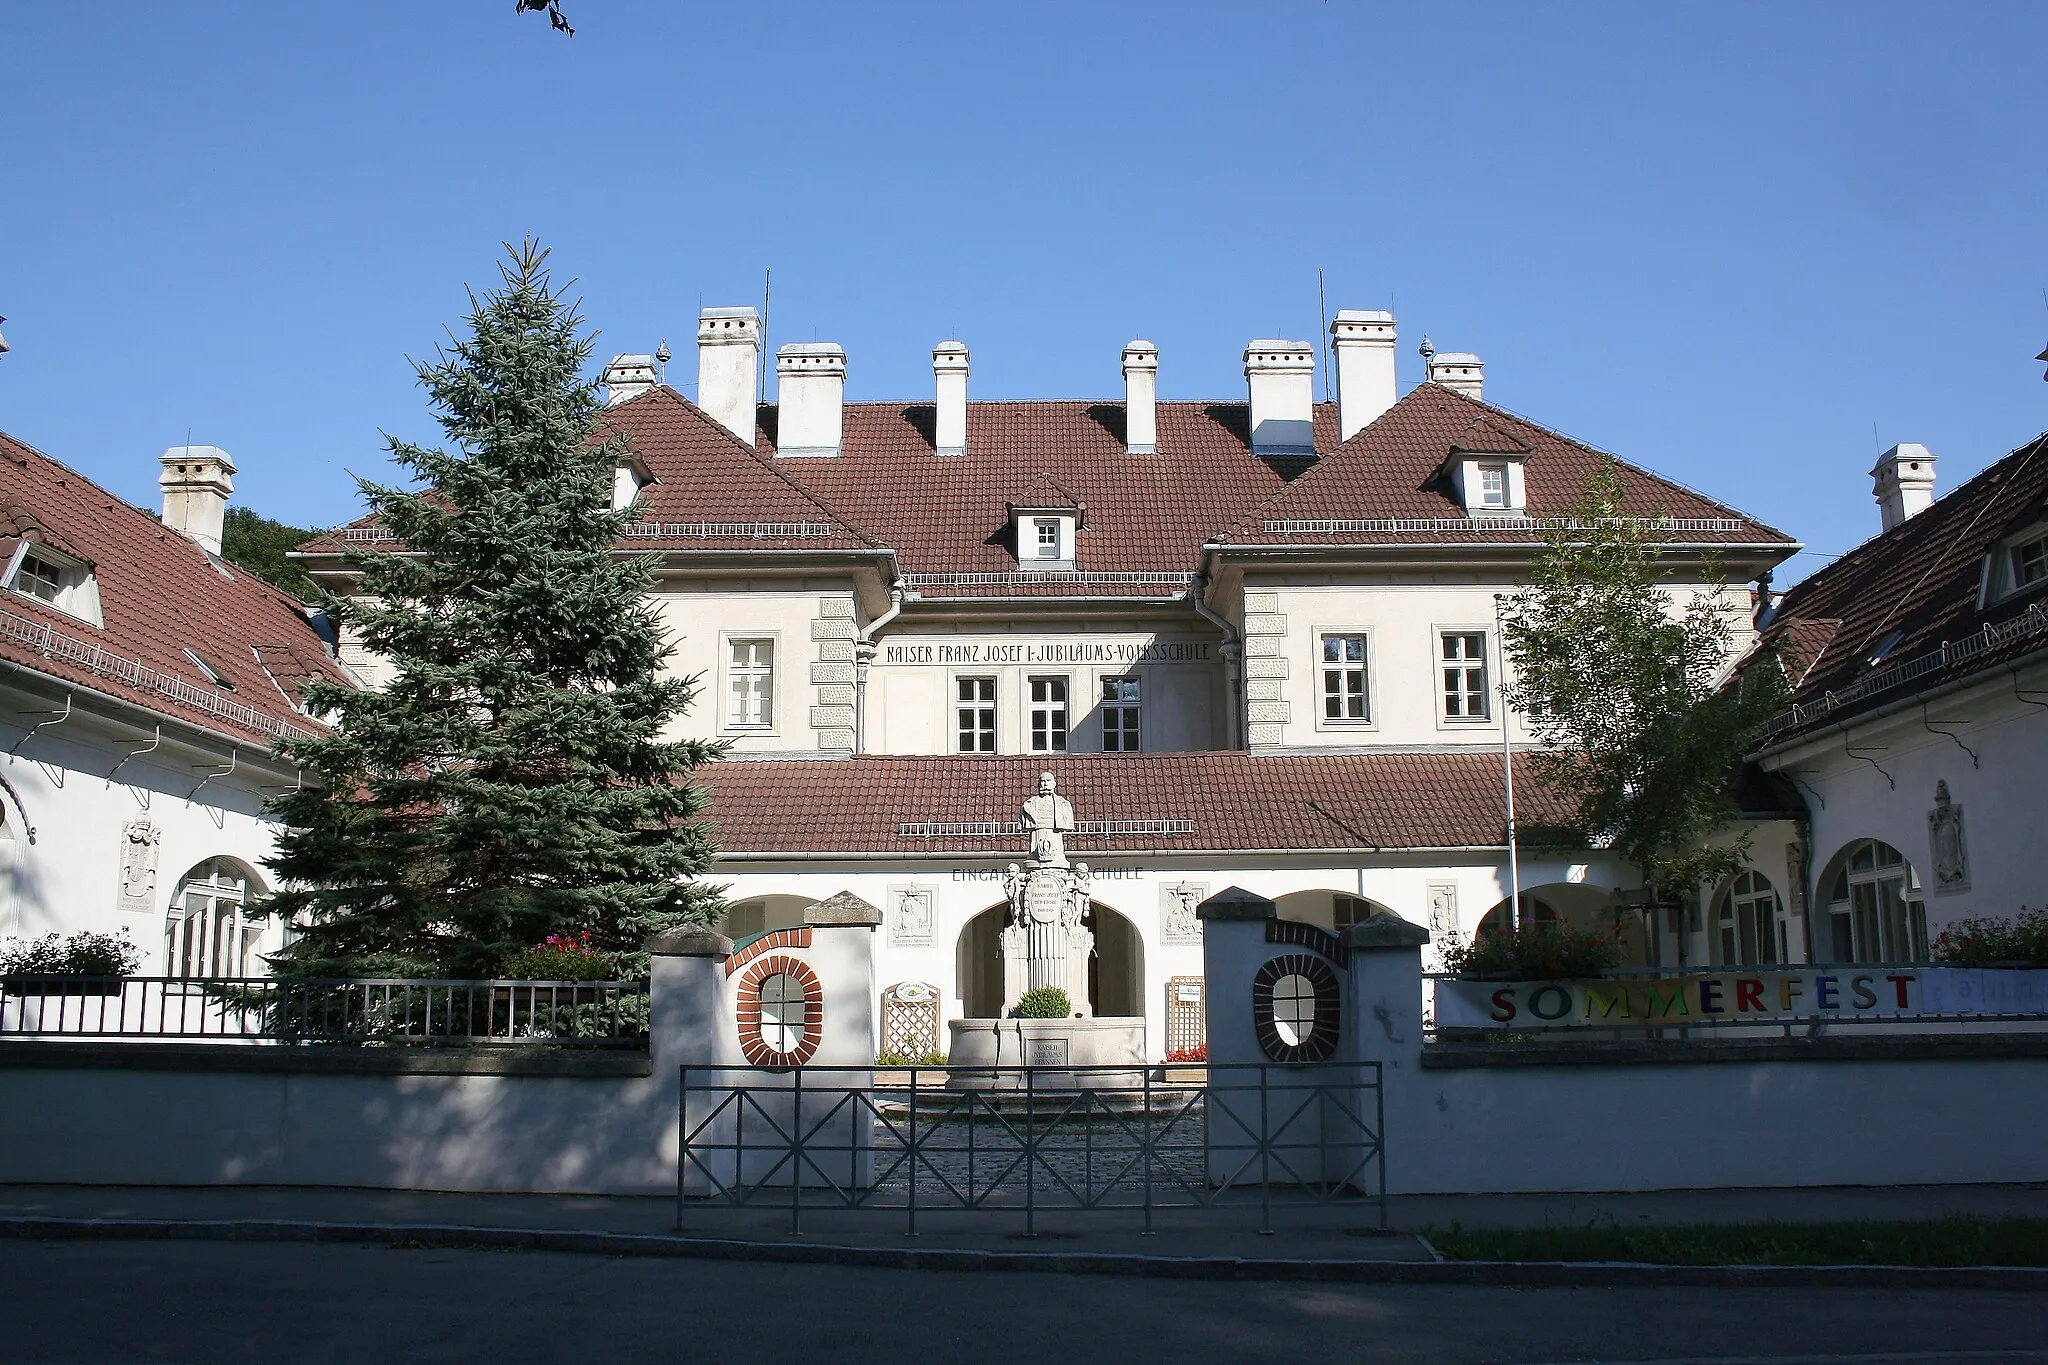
(1740, 997)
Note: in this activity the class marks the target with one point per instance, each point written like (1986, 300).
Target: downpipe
(1232, 651)
(864, 650)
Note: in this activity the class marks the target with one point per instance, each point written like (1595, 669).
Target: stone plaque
(1945, 833)
(139, 840)
(910, 916)
(1178, 923)
(1443, 913)
(1047, 1051)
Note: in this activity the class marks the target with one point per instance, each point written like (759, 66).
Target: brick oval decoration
(771, 1047)
(1275, 1010)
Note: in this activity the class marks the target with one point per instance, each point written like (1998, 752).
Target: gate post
(1384, 1022)
(690, 1026)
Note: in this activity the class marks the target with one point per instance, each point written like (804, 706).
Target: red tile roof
(1920, 579)
(160, 595)
(1188, 801)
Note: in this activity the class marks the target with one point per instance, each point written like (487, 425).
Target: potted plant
(84, 964)
(1538, 950)
(2013, 944)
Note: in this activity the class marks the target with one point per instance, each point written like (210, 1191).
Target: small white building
(1919, 732)
(1254, 639)
(143, 680)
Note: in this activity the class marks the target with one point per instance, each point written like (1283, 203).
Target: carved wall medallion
(1179, 926)
(910, 916)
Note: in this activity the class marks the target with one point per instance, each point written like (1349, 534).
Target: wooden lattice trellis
(1187, 1016)
(910, 1021)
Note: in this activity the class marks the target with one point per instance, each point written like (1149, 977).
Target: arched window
(1875, 908)
(1749, 930)
(216, 922)
(1295, 1009)
(781, 1022)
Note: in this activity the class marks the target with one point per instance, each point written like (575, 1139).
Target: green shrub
(1539, 950)
(83, 954)
(2022, 940)
(888, 1058)
(1045, 1002)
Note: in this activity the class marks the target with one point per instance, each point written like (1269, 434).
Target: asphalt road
(206, 1303)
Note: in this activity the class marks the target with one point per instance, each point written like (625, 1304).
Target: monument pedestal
(984, 1051)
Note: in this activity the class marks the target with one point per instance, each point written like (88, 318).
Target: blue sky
(1721, 240)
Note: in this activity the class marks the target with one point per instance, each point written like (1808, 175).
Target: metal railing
(1466, 525)
(733, 530)
(1092, 578)
(1031, 1141)
(601, 1014)
(55, 644)
(1949, 654)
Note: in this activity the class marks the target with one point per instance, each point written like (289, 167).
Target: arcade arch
(1749, 927)
(1873, 907)
(216, 924)
(1576, 906)
(1116, 969)
(761, 914)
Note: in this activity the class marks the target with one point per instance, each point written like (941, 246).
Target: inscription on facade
(1075, 651)
(996, 874)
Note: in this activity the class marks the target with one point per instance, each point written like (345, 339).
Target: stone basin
(989, 1054)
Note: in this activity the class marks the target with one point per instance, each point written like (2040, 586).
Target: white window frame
(1030, 526)
(1294, 1009)
(1045, 538)
(1862, 911)
(1133, 708)
(729, 721)
(1316, 680)
(1488, 678)
(78, 589)
(992, 707)
(1749, 907)
(789, 1016)
(215, 924)
(1032, 708)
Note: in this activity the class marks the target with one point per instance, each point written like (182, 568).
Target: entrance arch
(1116, 969)
(1332, 910)
(760, 914)
(1576, 906)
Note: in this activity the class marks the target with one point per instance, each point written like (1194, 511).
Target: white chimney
(196, 483)
(1364, 342)
(629, 376)
(810, 398)
(1141, 398)
(1458, 371)
(729, 367)
(949, 370)
(1904, 483)
(1281, 375)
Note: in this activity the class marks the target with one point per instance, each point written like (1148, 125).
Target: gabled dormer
(41, 564)
(1485, 470)
(1044, 523)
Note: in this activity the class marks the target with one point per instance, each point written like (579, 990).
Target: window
(1747, 928)
(1493, 485)
(213, 930)
(784, 1012)
(1119, 715)
(1344, 679)
(975, 717)
(209, 672)
(1346, 911)
(2030, 562)
(1875, 908)
(1048, 715)
(1294, 1009)
(57, 580)
(750, 676)
(1045, 534)
(1464, 671)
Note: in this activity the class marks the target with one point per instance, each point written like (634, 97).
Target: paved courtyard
(164, 1303)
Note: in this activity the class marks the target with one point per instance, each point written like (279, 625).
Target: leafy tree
(1629, 692)
(512, 782)
(258, 544)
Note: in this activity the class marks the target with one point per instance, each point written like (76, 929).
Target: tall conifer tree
(512, 781)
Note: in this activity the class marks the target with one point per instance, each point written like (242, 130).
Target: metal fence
(1031, 1141)
(395, 1012)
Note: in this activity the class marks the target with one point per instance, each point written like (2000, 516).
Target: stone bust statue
(1048, 818)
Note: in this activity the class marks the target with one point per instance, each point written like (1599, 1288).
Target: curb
(1526, 1274)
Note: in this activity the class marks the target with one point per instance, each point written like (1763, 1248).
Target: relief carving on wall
(1951, 855)
(1179, 925)
(139, 840)
(910, 916)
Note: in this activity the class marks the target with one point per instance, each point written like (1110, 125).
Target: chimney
(729, 367)
(629, 376)
(196, 483)
(810, 397)
(1364, 342)
(1281, 375)
(949, 369)
(1141, 398)
(1458, 371)
(1904, 483)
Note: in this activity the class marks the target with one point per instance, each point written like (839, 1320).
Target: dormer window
(55, 579)
(1046, 538)
(2017, 565)
(1493, 486)
(2030, 562)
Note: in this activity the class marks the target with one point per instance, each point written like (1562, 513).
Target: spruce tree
(512, 781)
